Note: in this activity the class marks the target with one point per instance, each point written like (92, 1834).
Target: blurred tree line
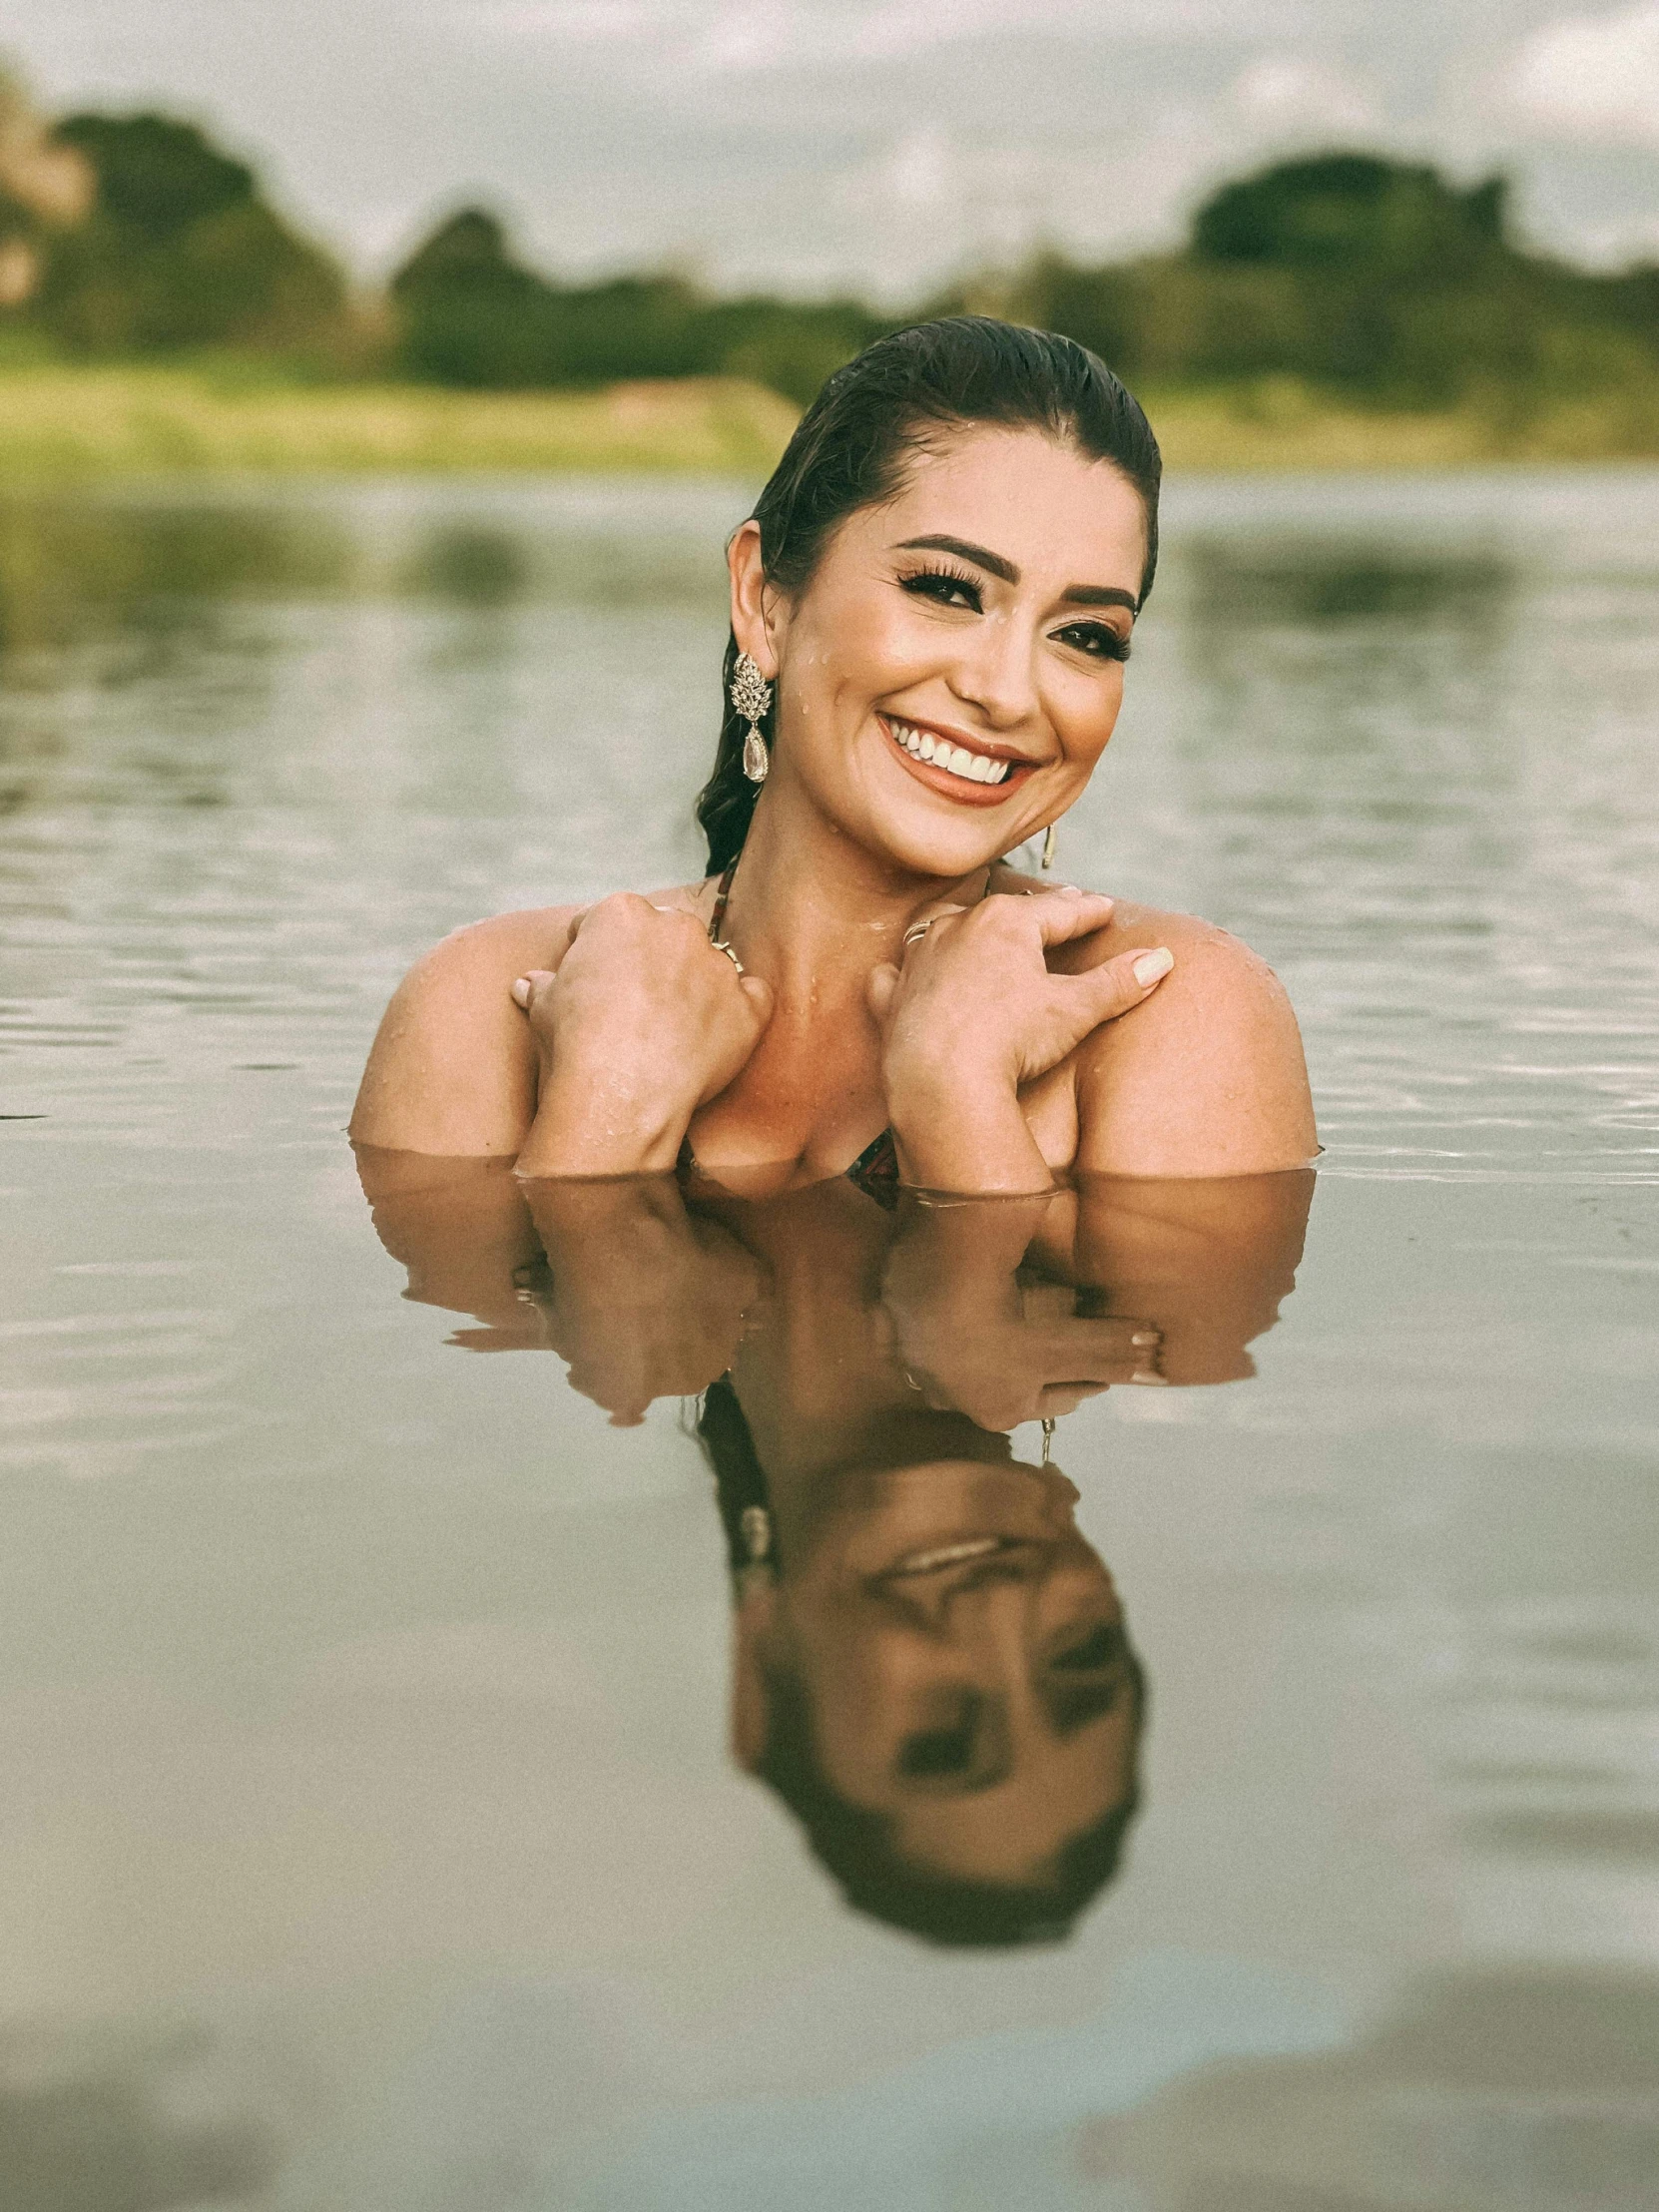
(1377, 280)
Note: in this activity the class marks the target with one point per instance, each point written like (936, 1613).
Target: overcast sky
(875, 144)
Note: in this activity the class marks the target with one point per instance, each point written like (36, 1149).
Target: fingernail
(1146, 1336)
(521, 990)
(1151, 965)
(1146, 1374)
(1076, 889)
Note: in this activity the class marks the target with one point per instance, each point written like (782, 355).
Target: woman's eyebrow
(1076, 595)
(1100, 595)
(992, 563)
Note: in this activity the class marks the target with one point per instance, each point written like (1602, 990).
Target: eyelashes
(955, 587)
(1097, 639)
(952, 587)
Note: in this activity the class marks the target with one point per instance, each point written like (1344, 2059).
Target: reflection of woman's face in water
(945, 1674)
(930, 1665)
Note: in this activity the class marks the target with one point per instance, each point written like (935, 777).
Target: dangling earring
(752, 698)
(756, 1523)
(1048, 844)
(1048, 1439)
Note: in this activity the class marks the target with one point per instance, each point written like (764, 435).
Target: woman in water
(932, 608)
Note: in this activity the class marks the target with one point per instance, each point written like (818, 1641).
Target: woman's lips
(951, 786)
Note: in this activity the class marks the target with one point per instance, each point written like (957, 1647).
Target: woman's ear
(753, 604)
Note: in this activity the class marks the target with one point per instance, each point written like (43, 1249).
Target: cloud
(738, 37)
(1590, 78)
(1292, 96)
(564, 22)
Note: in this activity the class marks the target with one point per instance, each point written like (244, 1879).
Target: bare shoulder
(1207, 1076)
(453, 1068)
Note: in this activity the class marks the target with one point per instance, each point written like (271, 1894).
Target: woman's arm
(1208, 1077)
(579, 1040)
(453, 1068)
(1183, 1053)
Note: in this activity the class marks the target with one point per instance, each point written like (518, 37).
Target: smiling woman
(931, 609)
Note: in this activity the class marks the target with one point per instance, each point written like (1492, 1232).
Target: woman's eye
(1098, 639)
(947, 590)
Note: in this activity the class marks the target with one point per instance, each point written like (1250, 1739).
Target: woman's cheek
(1084, 726)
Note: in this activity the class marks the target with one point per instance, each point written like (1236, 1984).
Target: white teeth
(948, 1555)
(973, 767)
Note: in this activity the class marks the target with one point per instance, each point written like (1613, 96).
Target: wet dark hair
(855, 1844)
(851, 448)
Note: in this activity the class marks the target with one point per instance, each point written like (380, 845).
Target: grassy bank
(60, 421)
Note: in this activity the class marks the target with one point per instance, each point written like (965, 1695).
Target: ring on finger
(720, 944)
(917, 930)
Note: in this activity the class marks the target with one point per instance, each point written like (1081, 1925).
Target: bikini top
(875, 1170)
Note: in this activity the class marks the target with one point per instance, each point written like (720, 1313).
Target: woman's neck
(813, 912)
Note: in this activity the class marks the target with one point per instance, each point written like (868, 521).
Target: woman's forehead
(1017, 491)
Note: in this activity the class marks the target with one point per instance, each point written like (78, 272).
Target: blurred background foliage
(1346, 276)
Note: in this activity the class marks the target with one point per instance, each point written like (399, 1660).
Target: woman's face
(964, 1655)
(951, 672)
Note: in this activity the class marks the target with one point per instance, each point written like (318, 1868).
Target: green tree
(179, 250)
(471, 314)
(1355, 214)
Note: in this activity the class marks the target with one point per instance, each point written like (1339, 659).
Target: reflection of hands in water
(640, 1298)
(643, 1021)
(976, 1332)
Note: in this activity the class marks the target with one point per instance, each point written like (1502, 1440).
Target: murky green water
(369, 1836)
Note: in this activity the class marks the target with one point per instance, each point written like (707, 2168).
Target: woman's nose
(994, 673)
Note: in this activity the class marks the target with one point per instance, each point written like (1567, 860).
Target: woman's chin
(945, 857)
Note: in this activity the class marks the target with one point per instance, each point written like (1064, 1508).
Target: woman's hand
(974, 1336)
(974, 1012)
(642, 1022)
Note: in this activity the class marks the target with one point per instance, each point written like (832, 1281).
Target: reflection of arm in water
(1205, 1262)
(640, 1298)
(463, 1231)
(1014, 1309)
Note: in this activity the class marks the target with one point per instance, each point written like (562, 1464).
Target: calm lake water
(370, 1837)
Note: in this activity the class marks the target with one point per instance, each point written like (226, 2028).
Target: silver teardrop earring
(1048, 844)
(752, 698)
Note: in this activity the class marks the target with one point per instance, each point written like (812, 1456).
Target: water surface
(372, 1836)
